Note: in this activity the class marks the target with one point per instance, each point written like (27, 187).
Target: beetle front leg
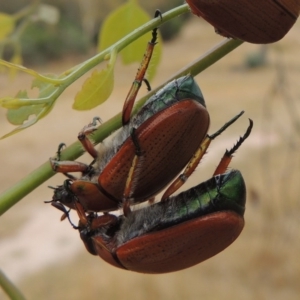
(67, 166)
(194, 162)
(85, 141)
(139, 78)
(89, 223)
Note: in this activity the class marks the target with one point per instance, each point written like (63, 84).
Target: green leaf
(21, 114)
(7, 25)
(25, 116)
(34, 115)
(97, 88)
(121, 22)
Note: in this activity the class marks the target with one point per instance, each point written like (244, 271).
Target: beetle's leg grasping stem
(139, 78)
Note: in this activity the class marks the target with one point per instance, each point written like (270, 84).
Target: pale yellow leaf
(95, 90)
(7, 25)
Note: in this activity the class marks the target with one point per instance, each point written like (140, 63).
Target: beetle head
(63, 194)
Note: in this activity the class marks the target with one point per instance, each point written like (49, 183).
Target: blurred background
(46, 258)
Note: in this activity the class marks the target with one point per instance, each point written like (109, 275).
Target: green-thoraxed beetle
(176, 233)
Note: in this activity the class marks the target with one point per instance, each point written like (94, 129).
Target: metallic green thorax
(222, 192)
(182, 88)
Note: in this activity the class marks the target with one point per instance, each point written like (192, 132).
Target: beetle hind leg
(195, 160)
(227, 157)
(139, 78)
(129, 186)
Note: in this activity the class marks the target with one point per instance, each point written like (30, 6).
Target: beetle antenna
(66, 212)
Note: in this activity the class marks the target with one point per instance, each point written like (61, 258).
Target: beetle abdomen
(179, 232)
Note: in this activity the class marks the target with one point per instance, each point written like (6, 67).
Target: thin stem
(9, 288)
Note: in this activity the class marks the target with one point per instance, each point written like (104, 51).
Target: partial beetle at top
(253, 21)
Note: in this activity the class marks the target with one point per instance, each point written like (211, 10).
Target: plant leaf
(7, 25)
(97, 88)
(121, 22)
(36, 115)
(25, 116)
(18, 115)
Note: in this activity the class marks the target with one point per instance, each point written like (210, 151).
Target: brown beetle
(174, 234)
(145, 155)
(253, 21)
(168, 130)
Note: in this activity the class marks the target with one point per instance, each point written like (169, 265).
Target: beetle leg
(85, 141)
(89, 223)
(68, 166)
(226, 159)
(147, 84)
(129, 182)
(139, 78)
(195, 160)
(60, 147)
(75, 166)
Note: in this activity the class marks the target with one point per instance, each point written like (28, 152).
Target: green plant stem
(44, 172)
(9, 288)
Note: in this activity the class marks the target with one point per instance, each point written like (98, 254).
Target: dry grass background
(46, 258)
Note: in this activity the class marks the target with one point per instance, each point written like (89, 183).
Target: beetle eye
(67, 184)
